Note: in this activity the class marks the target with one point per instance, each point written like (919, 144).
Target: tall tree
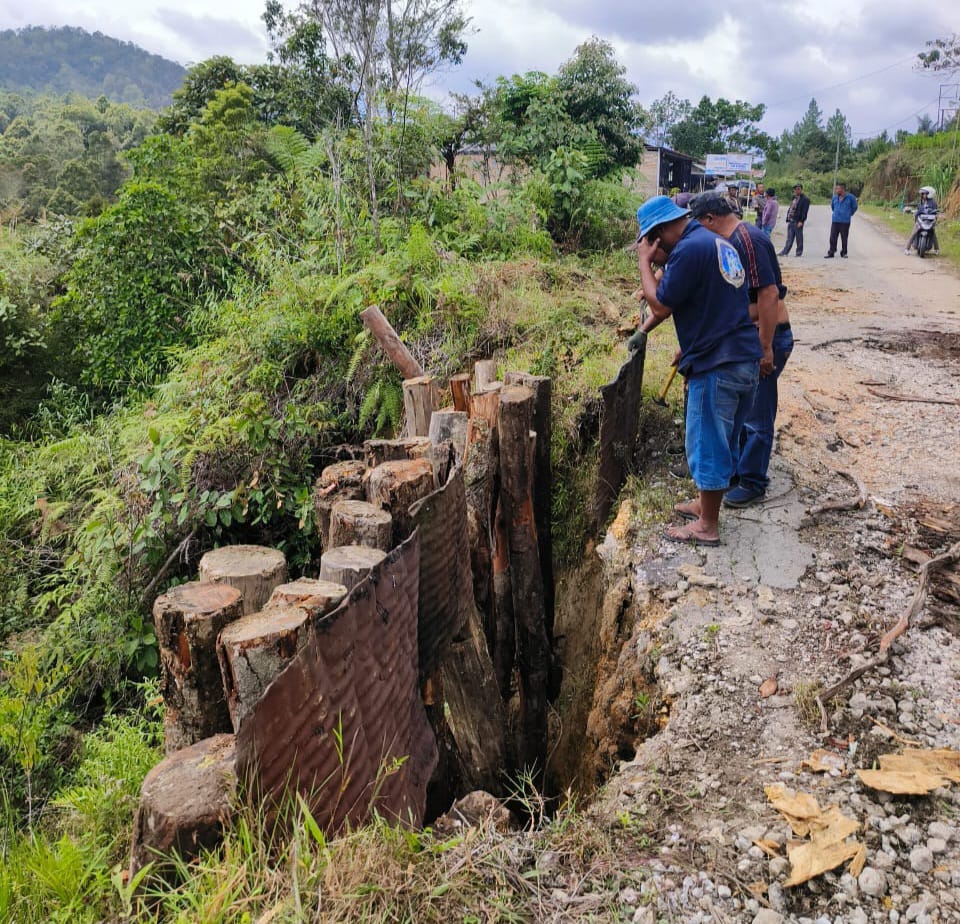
(943, 55)
(666, 112)
(596, 93)
(717, 127)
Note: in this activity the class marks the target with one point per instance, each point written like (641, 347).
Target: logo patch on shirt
(730, 266)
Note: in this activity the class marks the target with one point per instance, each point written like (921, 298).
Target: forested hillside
(71, 60)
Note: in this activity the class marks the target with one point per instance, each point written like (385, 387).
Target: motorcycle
(926, 223)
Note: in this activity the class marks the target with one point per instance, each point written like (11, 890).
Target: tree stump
(349, 564)
(394, 486)
(479, 472)
(337, 482)
(359, 523)
(255, 649)
(526, 581)
(253, 569)
(186, 802)
(376, 452)
(188, 620)
(420, 399)
(484, 373)
(450, 426)
(542, 389)
(460, 390)
(475, 709)
(486, 406)
(319, 597)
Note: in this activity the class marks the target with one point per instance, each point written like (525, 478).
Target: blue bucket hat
(657, 211)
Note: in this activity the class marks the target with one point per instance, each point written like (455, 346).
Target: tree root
(950, 557)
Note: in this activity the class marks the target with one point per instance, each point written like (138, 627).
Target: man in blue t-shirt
(769, 313)
(843, 207)
(704, 289)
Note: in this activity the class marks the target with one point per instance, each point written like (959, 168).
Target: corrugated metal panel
(446, 581)
(346, 711)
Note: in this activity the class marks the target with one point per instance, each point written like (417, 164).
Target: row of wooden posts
(224, 638)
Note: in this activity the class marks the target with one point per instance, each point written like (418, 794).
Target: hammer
(661, 399)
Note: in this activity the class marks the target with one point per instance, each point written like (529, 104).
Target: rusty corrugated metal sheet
(446, 581)
(342, 715)
(619, 425)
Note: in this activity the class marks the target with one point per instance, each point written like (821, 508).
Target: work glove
(637, 340)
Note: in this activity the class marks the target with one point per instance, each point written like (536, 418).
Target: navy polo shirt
(704, 285)
(759, 259)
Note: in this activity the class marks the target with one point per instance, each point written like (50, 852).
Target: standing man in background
(771, 209)
(760, 200)
(796, 217)
(844, 207)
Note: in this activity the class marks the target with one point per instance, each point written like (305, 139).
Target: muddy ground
(717, 654)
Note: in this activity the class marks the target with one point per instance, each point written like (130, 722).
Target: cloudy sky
(855, 55)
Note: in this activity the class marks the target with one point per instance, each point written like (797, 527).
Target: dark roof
(668, 151)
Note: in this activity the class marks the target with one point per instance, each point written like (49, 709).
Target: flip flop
(691, 540)
(685, 514)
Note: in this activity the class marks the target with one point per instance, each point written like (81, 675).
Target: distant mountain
(70, 60)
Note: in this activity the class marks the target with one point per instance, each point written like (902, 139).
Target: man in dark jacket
(796, 218)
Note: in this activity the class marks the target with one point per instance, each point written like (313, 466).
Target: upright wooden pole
(542, 389)
(420, 400)
(460, 389)
(526, 581)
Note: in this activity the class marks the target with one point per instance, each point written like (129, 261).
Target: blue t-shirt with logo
(704, 285)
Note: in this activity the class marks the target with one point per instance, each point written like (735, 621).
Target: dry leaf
(757, 889)
(914, 772)
(809, 859)
(770, 848)
(858, 862)
(797, 808)
(768, 687)
(823, 761)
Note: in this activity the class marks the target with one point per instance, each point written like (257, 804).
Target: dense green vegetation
(70, 60)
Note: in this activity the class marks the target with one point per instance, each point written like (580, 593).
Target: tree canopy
(717, 127)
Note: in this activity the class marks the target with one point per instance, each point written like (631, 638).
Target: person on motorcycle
(926, 206)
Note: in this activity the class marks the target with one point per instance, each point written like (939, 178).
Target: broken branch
(857, 504)
(917, 399)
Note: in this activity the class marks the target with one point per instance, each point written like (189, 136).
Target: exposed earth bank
(719, 653)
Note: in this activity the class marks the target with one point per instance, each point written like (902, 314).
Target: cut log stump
(186, 802)
(349, 564)
(254, 650)
(484, 373)
(394, 486)
(318, 597)
(337, 482)
(253, 569)
(460, 389)
(360, 523)
(188, 620)
(420, 399)
(450, 426)
(376, 452)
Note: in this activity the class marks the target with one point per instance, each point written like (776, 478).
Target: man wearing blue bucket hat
(704, 289)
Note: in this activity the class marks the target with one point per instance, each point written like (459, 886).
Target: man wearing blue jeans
(769, 312)
(704, 289)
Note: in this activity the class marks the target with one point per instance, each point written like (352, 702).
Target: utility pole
(836, 161)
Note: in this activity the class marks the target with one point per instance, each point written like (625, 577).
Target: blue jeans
(756, 441)
(718, 402)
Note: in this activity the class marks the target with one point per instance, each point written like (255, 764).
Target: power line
(896, 124)
(834, 86)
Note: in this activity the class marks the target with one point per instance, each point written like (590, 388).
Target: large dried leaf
(809, 859)
(797, 807)
(915, 772)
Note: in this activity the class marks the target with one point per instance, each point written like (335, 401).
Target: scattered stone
(872, 882)
(921, 860)
(768, 916)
